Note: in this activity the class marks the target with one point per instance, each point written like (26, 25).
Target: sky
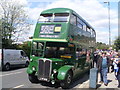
(95, 12)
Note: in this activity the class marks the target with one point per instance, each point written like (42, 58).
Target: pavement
(112, 82)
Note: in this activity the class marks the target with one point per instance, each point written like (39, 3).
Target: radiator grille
(44, 69)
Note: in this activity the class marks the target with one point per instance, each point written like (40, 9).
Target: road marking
(10, 74)
(19, 86)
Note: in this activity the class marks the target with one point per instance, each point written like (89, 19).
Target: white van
(13, 57)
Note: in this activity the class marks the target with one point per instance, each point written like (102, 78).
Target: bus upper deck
(62, 25)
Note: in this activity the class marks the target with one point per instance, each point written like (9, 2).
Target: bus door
(80, 58)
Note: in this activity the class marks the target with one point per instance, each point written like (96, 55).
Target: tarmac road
(17, 78)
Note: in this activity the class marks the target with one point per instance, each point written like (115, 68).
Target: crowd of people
(107, 61)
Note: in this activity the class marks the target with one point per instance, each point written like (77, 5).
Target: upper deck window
(79, 23)
(93, 34)
(84, 26)
(61, 17)
(73, 19)
(57, 17)
(88, 29)
(45, 18)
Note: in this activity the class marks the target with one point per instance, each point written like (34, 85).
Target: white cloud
(21, 2)
(91, 10)
(102, 36)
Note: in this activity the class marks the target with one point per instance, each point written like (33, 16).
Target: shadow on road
(76, 81)
(98, 85)
(109, 81)
(81, 79)
(14, 68)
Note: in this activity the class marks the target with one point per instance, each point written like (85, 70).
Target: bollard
(93, 78)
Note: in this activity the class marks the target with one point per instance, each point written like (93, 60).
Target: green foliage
(7, 43)
(101, 45)
(117, 43)
(26, 47)
(14, 22)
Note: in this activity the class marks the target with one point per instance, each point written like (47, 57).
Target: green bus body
(61, 46)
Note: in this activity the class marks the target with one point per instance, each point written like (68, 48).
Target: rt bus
(61, 47)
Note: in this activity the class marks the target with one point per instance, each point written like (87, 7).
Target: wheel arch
(62, 72)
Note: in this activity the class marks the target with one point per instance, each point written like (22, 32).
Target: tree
(101, 45)
(117, 43)
(26, 46)
(14, 22)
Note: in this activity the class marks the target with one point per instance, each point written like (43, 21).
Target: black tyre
(33, 78)
(7, 67)
(68, 79)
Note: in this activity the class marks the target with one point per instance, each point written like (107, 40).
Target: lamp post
(109, 21)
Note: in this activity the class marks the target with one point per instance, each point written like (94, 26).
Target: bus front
(50, 46)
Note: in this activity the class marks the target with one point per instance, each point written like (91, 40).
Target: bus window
(93, 33)
(88, 29)
(37, 48)
(73, 19)
(56, 52)
(61, 17)
(45, 18)
(34, 45)
(79, 23)
(84, 26)
(57, 17)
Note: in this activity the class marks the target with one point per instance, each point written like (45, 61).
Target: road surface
(17, 78)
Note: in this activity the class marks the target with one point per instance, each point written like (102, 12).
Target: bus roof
(57, 10)
(64, 10)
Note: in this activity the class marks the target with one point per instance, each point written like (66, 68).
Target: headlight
(31, 60)
(54, 71)
(33, 68)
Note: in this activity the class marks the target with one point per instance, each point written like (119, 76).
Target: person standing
(95, 58)
(118, 74)
(115, 62)
(102, 65)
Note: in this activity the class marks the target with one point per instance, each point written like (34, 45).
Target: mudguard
(29, 71)
(63, 71)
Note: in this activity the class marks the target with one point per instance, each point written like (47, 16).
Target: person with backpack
(102, 65)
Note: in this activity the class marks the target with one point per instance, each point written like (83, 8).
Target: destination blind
(50, 31)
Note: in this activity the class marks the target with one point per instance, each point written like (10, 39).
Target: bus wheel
(66, 83)
(7, 67)
(33, 78)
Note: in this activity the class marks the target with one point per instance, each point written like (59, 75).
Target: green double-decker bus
(61, 47)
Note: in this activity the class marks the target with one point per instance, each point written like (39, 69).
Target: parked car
(13, 57)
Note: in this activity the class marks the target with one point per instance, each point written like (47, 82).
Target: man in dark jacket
(102, 65)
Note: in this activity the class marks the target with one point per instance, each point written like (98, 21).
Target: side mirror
(30, 37)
